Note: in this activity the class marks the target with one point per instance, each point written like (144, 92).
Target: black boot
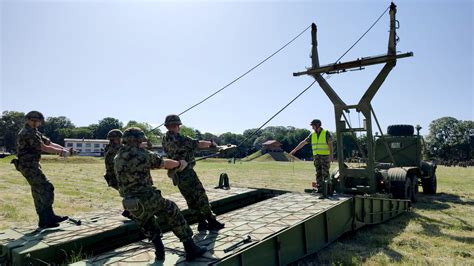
(192, 250)
(159, 247)
(46, 221)
(202, 225)
(213, 224)
(56, 218)
(127, 214)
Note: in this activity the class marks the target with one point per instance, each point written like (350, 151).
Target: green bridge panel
(99, 232)
(282, 229)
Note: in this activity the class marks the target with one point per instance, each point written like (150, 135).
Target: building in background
(87, 147)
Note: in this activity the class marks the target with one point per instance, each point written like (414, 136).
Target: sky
(142, 60)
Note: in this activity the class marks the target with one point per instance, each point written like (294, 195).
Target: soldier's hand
(171, 173)
(182, 165)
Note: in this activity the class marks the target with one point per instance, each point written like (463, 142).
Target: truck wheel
(400, 130)
(414, 186)
(429, 184)
(403, 190)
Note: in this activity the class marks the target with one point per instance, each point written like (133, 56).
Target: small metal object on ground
(238, 244)
(74, 221)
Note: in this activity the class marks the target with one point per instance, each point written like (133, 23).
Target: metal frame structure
(364, 105)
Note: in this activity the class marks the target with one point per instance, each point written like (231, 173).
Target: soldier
(30, 144)
(114, 136)
(321, 143)
(143, 200)
(179, 147)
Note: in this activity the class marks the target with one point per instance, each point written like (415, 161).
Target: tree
(105, 125)
(77, 133)
(187, 131)
(154, 135)
(52, 126)
(10, 124)
(448, 138)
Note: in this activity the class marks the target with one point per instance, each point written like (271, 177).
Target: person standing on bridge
(321, 144)
(179, 147)
(30, 144)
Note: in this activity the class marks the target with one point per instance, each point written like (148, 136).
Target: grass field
(438, 230)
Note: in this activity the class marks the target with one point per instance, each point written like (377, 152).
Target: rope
(241, 76)
(301, 93)
(277, 113)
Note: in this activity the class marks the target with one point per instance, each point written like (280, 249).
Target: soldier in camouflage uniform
(179, 147)
(30, 144)
(321, 143)
(115, 137)
(143, 200)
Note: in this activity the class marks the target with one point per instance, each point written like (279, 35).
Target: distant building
(271, 146)
(87, 147)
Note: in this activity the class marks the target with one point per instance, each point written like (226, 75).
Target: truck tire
(429, 184)
(414, 186)
(403, 189)
(400, 130)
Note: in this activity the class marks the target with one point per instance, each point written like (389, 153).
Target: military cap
(172, 120)
(316, 122)
(133, 133)
(114, 133)
(35, 115)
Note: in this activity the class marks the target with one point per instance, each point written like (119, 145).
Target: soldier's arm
(51, 149)
(56, 145)
(156, 161)
(300, 145)
(204, 144)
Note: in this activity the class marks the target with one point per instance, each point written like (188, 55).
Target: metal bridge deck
(103, 231)
(260, 221)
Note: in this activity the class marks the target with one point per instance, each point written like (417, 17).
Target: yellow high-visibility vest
(319, 145)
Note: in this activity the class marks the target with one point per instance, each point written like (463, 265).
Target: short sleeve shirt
(132, 169)
(29, 142)
(179, 147)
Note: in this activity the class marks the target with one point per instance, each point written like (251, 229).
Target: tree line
(448, 138)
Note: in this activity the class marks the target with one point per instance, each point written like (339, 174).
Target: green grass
(438, 230)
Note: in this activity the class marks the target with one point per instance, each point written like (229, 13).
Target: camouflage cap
(172, 120)
(35, 115)
(114, 133)
(133, 134)
(316, 122)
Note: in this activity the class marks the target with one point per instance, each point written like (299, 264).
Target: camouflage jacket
(179, 147)
(109, 153)
(28, 144)
(132, 169)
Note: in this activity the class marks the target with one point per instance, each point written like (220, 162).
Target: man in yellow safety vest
(321, 143)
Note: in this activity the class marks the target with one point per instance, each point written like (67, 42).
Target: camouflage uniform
(110, 151)
(179, 147)
(29, 142)
(141, 198)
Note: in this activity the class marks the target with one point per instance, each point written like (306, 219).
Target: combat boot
(45, 220)
(213, 224)
(56, 218)
(202, 225)
(159, 247)
(192, 250)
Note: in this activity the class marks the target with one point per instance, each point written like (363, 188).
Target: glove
(182, 165)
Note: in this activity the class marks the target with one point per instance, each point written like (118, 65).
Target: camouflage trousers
(322, 164)
(41, 189)
(149, 208)
(194, 193)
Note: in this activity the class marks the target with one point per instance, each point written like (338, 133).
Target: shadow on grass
(440, 201)
(359, 247)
